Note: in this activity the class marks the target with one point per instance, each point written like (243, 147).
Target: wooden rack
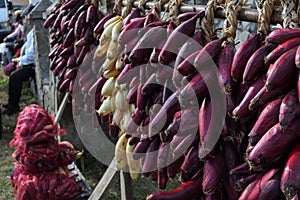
(247, 14)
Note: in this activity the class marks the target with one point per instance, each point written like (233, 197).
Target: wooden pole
(106, 179)
(61, 110)
(126, 190)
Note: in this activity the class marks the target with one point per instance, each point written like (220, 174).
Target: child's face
(28, 20)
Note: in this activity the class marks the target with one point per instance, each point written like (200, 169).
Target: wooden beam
(126, 188)
(61, 110)
(61, 107)
(106, 179)
(247, 14)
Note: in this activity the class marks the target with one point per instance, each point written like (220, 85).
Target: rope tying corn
(174, 9)
(230, 23)
(142, 4)
(207, 22)
(118, 7)
(289, 14)
(128, 8)
(298, 11)
(96, 3)
(158, 4)
(265, 9)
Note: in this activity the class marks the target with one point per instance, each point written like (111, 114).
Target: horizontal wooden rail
(247, 14)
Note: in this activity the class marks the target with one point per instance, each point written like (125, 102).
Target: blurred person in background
(24, 71)
(13, 41)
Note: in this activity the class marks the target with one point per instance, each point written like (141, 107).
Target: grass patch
(8, 126)
(6, 167)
